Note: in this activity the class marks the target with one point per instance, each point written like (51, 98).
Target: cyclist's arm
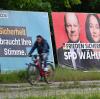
(46, 46)
(33, 48)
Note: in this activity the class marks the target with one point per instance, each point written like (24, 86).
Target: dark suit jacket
(68, 62)
(92, 63)
(86, 64)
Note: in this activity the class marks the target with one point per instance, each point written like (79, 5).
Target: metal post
(0, 68)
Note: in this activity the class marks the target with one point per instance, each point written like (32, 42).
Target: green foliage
(95, 4)
(67, 4)
(70, 3)
(52, 5)
(60, 74)
(40, 5)
(13, 77)
(29, 5)
(68, 96)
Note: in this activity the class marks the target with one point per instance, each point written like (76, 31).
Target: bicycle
(35, 71)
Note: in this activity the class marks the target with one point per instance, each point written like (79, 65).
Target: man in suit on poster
(72, 28)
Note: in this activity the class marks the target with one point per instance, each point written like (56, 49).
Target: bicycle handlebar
(37, 55)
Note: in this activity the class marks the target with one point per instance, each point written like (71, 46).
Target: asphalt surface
(12, 91)
(24, 94)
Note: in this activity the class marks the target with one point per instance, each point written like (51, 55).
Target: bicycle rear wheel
(49, 73)
(32, 74)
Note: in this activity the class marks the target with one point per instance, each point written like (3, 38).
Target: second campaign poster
(77, 37)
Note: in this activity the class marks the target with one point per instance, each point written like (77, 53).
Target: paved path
(11, 91)
(22, 94)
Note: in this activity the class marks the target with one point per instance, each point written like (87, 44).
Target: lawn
(68, 96)
(61, 75)
(13, 77)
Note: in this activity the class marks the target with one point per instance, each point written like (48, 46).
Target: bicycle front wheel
(32, 73)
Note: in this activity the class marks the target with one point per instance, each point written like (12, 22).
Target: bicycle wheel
(49, 73)
(32, 73)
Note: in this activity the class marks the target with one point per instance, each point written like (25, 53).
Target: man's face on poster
(72, 27)
(94, 28)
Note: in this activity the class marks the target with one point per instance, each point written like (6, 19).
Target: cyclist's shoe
(46, 69)
(42, 79)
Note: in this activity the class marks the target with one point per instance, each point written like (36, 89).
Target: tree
(95, 5)
(43, 5)
(52, 5)
(70, 3)
(62, 5)
(90, 6)
(29, 5)
(3, 4)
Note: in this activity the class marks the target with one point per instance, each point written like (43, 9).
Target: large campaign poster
(77, 37)
(18, 33)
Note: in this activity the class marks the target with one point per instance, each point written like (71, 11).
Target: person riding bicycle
(42, 47)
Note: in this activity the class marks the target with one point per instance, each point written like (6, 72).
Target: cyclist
(42, 47)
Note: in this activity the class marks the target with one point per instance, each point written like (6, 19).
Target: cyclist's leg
(41, 68)
(45, 57)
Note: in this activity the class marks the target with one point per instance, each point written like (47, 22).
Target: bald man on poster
(72, 28)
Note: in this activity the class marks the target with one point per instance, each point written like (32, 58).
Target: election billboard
(19, 31)
(77, 37)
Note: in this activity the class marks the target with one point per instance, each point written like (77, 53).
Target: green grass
(68, 96)
(13, 77)
(61, 74)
